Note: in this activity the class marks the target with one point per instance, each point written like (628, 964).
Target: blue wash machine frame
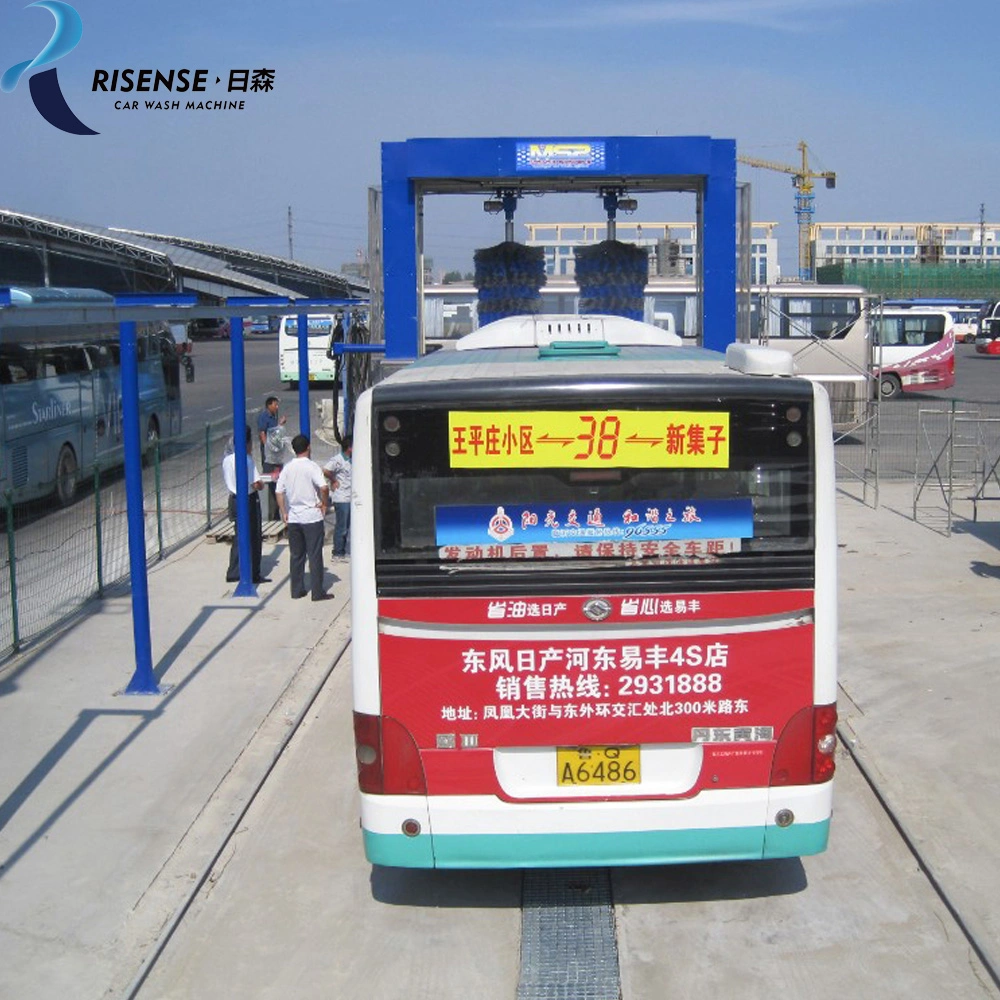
(415, 168)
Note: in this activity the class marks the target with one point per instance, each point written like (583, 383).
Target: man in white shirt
(303, 497)
(338, 471)
(254, 486)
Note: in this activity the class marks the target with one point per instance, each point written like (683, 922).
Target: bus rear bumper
(326, 378)
(483, 832)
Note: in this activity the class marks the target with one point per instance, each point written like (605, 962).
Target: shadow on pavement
(632, 886)
(709, 882)
(88, 717)
(446, 888)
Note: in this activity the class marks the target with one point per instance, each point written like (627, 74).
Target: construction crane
(802, 181)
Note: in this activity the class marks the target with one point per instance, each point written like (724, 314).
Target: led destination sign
(534, 439)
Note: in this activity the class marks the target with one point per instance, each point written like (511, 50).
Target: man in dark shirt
(268, 419)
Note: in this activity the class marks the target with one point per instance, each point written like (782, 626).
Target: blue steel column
(144, 679)
(719, 236)
(303, 331)
(399, 255)
(246, 586)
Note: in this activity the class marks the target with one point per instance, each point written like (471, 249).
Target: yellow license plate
(590, 766)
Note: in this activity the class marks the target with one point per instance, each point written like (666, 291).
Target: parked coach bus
(60, 396)
(914, 350)
(593, 602)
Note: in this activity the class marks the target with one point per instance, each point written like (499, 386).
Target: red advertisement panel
(615, 686)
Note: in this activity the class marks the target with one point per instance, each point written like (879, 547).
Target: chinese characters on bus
(668, 685)
(610, 680)
(686, 529)
(645, 439)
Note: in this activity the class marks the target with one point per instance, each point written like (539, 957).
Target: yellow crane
(802, 181)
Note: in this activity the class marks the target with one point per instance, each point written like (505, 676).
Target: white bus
(593, 602)
(966, 321)
(914, 350)
(324, 330)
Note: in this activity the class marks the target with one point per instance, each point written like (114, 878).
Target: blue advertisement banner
(638, 521)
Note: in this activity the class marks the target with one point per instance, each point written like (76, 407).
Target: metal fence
(956, 460)
(946, 453)
(53, 560)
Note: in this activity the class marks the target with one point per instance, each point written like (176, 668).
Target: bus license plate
(589, 766)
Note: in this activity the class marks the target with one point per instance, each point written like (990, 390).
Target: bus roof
(545, 330)
(585, 359)
(943, 303)
(56, 296)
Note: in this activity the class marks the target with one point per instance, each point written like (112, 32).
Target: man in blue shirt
(268, 419)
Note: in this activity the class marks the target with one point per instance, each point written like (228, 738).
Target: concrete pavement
(110, 804)
(111, 807)
(920, 687)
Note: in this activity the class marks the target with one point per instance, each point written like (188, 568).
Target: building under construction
(910, 259)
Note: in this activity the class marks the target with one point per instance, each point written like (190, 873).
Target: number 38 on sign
(597, 765)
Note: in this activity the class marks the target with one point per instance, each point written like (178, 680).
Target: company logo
(45, 92)
(501, 527)
(597, 609)
(560, 156)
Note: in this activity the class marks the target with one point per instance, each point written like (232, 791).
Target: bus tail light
(805, 751)
(388, 759)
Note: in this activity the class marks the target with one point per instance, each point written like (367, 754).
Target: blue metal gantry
(418, 167)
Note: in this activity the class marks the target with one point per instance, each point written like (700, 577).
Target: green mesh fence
(916, 281)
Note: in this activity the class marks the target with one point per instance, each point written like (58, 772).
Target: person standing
(303, 497)
(338, 471)
(268, 420)
(254, 484)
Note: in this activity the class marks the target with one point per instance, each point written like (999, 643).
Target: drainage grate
(568, 946)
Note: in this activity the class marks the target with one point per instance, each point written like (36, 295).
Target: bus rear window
(552, 488)
(319, 326)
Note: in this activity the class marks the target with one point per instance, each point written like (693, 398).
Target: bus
(914, 350)
(60, 396)
(324, 331)
(593, 602)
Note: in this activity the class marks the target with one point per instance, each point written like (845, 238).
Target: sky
(896, 96)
